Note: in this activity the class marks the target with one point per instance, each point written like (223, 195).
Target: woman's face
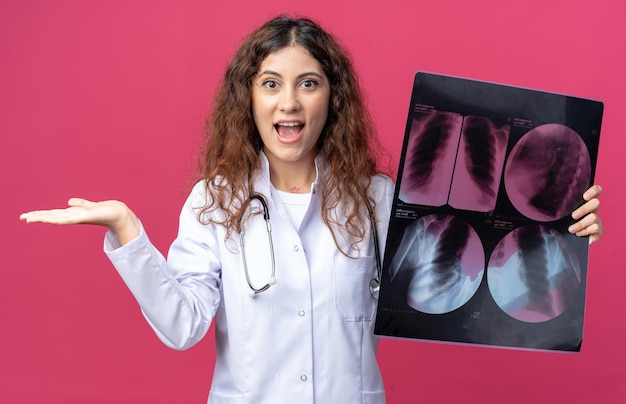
(290, 96)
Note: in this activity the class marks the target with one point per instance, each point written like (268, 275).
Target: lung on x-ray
(478, 250)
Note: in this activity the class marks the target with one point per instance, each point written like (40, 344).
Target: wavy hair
(348, 143)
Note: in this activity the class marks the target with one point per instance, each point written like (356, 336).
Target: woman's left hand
(589, 223)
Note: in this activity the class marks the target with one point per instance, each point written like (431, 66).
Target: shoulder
(381, 186)
(203, 196)
(381, 181)
(200, 193)
(205, 189)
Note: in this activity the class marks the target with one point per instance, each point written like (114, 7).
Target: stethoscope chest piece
(375, 288)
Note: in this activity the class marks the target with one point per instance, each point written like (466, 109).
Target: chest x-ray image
(478, 168)
(431, 153)
(532, 274)
(478, 250)
(443, 257)
(454, 159)
(547, 171)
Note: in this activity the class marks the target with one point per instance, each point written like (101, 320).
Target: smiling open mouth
(288, 130)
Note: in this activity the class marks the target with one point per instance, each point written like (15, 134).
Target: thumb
(79, 202)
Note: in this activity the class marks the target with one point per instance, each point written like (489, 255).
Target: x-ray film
(478, 250)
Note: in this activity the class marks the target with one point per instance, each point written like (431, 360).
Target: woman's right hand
(114, 215)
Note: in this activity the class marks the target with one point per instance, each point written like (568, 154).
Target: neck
(295, 178)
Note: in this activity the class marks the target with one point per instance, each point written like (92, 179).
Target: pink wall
(106, 99)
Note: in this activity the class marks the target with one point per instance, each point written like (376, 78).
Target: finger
(79, 202)
(53, 216)
(594, 238)
(40, 215)
(594, 232)
(583, 223)
(591, 230)
(590, 225)
(592, 206)
(592, 192)
(24, 216)
(35, 214)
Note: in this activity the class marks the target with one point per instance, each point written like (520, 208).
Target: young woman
(289, 144)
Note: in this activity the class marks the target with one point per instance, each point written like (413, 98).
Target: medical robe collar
(263, 184)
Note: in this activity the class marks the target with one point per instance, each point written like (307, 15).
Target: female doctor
(275, 243)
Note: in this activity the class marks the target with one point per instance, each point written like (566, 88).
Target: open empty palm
(114, 215)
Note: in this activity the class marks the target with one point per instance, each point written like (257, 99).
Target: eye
(309, 83)
(270, 84)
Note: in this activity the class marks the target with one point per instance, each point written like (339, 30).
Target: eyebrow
(300, 76)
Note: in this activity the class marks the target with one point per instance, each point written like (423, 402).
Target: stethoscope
(266, 215)
(374, 283)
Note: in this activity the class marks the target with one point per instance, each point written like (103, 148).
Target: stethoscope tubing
(374, 282)
(268, 225)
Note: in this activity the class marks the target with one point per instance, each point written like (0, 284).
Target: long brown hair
(348, 143)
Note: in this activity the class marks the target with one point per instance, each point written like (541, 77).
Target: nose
(289, 100)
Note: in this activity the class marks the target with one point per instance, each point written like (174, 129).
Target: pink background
(106, 99)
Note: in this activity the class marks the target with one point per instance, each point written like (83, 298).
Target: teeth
(289, 124)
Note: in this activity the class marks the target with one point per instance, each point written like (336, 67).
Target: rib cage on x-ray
(455, 160)
(447, 257)
(442, 256)
(532, 274)
(479, 165)
(480, 153)
(478, 249)
(430, 155)
(564, 179)
(535, 269)
(547, 172)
